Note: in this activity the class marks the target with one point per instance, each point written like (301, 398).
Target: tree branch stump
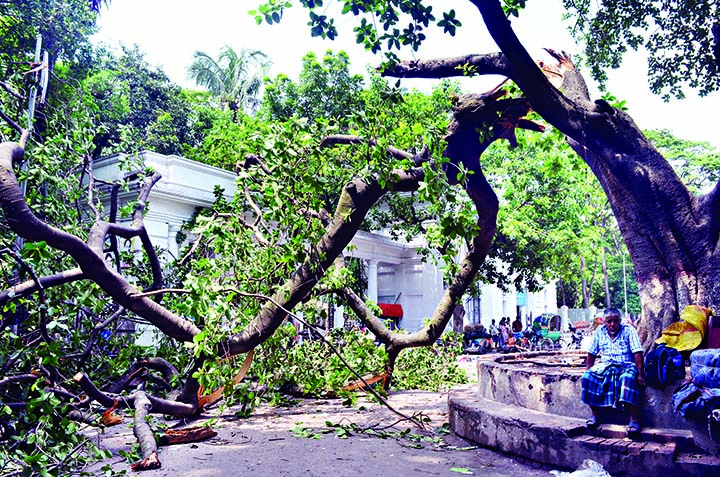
(144, 434)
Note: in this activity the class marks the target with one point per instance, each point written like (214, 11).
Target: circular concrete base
(550, 382)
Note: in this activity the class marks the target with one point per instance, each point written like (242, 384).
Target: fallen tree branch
(161, 291)
(89, 255)
(144, 434)
(93, 392)
(337, 139)
(93, 336)
(356, 199)
(196, 243)
(487, 64)
(158, 364)
(84, 417)
(31, 286)
(12, 123)
(39, 288)
(19, 379)
(159, 405)
(183, 436)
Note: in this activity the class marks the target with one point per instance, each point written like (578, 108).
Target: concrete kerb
(521, 432)
(561, 442)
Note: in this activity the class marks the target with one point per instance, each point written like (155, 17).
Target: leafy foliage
(555, 222)
(697, 163)
(136, 107)
(390, 25)
(679, 37)
(312, 369)
(64, 26)
(325, 91)
(432, 368)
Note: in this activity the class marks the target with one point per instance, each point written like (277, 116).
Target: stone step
(563, 442)
(683, 438)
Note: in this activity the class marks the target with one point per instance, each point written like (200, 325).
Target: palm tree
(235, 77)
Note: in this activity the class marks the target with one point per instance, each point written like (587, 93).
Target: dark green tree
(133, 103)
(681, 37)
(325, 91)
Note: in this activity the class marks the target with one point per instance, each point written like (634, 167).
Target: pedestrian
(617, 379)
(504, 333)
(494, 332)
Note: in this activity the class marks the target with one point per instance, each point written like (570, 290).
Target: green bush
(431, 368)
(310, 368)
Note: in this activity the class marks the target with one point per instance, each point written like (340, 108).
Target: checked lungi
(606, 385)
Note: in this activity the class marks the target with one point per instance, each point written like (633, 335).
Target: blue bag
(663, 366)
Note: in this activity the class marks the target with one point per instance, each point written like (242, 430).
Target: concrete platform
(550, 382)
(532, 411)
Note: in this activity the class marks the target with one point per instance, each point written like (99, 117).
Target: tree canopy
(133, 103)
(682, 38)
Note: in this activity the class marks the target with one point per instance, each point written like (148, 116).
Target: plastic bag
(588, 468)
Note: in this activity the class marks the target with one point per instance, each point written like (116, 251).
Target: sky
(170, 31)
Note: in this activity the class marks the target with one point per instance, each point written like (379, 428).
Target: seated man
(618, 378)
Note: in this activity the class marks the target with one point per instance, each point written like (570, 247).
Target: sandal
(633, 427)
(592, 422)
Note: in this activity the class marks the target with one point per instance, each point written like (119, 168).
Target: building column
(372, 280)
(564, 318)
(338, 317)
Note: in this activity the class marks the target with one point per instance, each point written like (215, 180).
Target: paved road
(265, 445)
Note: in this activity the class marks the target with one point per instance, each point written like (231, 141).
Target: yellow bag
(687, 334)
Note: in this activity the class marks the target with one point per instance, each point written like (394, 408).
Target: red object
(391, 310)
(714, 332)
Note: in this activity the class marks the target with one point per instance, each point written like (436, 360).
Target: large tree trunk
(671, 235)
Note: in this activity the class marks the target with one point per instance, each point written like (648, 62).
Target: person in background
(494, 332)
(517, 325)
(468, 335)
(504, 332)
(617, 379)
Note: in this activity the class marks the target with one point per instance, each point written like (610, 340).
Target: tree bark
(671, 235)
(471, 113)
(144, 434)
(89, 256)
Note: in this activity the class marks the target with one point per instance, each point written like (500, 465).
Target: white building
(395, 272)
